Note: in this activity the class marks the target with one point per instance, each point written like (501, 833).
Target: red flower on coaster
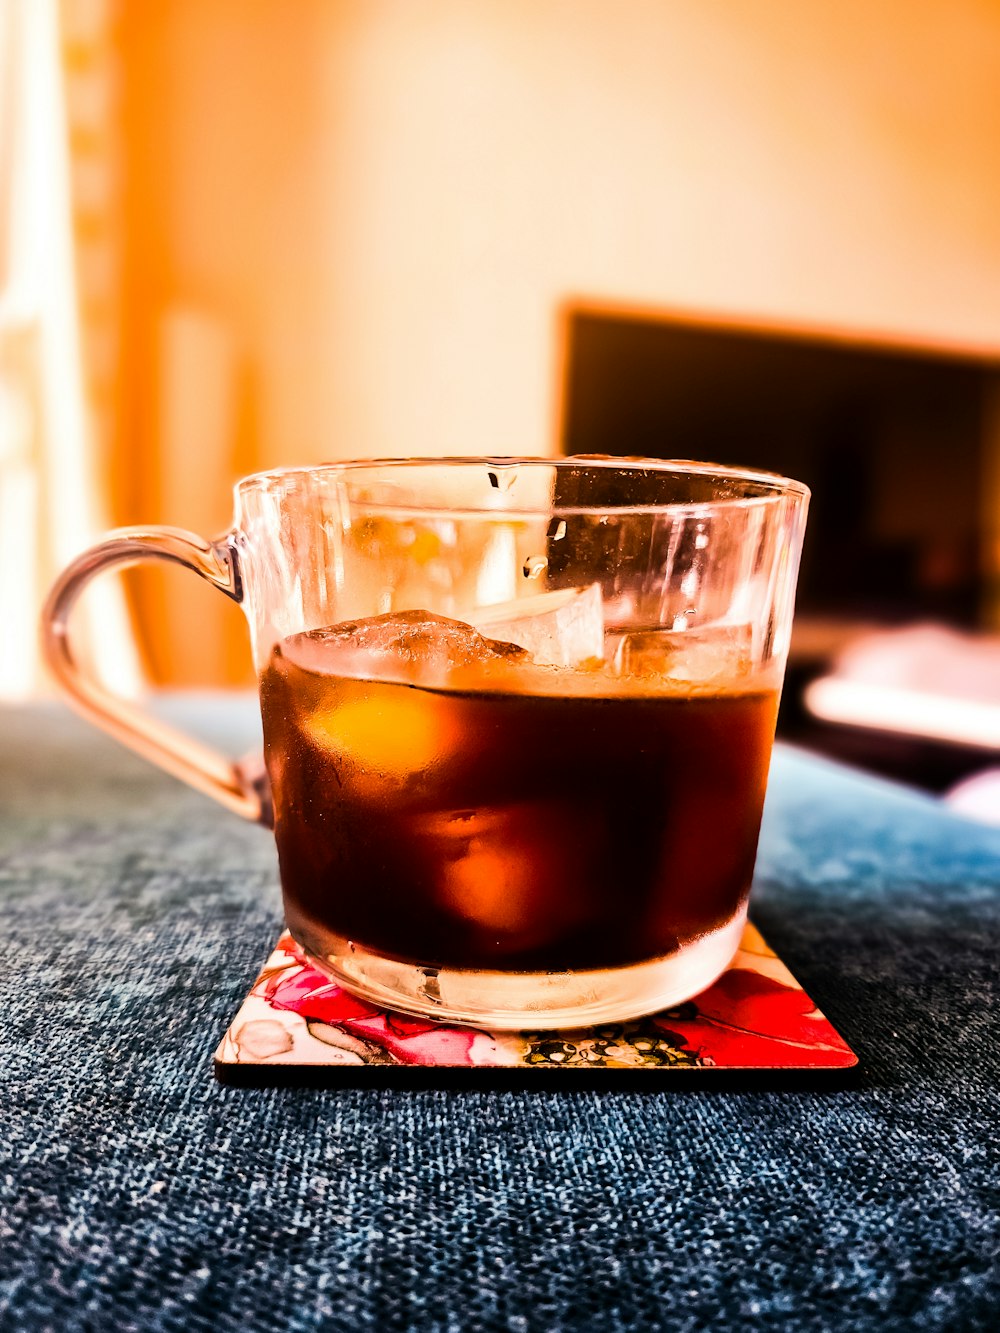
(308, 989)
(328, 1009)
(748, 1018)
(754, 1016)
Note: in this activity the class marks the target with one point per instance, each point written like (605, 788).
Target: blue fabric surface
(137, 1193)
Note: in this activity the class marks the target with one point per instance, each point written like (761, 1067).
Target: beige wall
(389, 198)
(373, 209)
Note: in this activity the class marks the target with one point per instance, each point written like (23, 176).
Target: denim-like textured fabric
(137, 1193)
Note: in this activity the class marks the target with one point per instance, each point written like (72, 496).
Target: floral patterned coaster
(755, 1017)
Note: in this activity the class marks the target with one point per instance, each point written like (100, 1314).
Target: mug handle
(241, 787)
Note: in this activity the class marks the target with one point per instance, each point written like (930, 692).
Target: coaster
(297, 1025)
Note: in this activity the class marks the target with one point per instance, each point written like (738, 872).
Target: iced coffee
(446, 795)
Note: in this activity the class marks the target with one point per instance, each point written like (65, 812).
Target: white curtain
(50, 483)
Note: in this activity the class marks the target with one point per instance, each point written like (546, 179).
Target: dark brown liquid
(483, 829)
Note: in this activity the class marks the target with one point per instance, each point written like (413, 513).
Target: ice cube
(410, 647)
(513, 871)
(700, 655)
(343, 686)
(391, 738)
(563, 628)
(483, 878)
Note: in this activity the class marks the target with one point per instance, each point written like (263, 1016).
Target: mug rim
(774, 486)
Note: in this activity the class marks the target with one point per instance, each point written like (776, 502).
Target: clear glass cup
(518, 716)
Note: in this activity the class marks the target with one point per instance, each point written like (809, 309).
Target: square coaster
(296, 1025)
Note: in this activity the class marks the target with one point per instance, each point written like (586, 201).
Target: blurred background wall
(334, 229)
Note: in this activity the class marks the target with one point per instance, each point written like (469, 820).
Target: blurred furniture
(899, 439)
(136, 1193)
(927, 690)
(977, 797)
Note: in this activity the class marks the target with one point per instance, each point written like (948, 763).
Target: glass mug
(518, 717)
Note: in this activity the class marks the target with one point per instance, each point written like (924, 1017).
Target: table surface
(138, 1193)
